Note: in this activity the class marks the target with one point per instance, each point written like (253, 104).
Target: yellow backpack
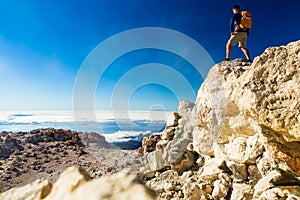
(246, 21)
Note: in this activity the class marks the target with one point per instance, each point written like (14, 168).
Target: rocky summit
(240, 140)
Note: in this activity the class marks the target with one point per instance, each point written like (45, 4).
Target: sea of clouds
(117, 126)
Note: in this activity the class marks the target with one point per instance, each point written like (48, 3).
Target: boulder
(280, 149)
(39, 189)
(270, 91)
(184, 163)
(185, 107)
(168, 133)
(76, 184)
(221, 186)
(192, 191)
(239, 100)
(69, 181)
(282, 192)
(244, 150)
(241, 191)
(210, 171)
(265, 164)
(275, 178)
(120, 186)
(239, 171)
(173, 120)
(149, 143)
(215, 107)
(155, 160)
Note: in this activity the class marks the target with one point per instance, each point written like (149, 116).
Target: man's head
(236, 9)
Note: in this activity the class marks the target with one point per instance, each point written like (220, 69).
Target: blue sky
(43, 44)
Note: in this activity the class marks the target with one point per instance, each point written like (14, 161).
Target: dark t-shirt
(235, 21)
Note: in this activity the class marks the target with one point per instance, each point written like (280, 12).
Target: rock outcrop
(241, 139)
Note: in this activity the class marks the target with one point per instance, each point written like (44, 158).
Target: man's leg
(231, 42)
(243, 42)
(246, 52)
(228, 51)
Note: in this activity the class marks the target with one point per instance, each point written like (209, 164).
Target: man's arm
(232, 24)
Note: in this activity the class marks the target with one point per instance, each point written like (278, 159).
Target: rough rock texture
(243, 132)
(45, 153)
(149, 143)
(75, 183)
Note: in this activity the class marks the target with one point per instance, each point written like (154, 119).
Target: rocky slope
(46, 153)
(240, 140)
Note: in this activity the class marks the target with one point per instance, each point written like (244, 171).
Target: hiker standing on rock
(240, 25)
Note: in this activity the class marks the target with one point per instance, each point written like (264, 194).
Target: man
(238, 35)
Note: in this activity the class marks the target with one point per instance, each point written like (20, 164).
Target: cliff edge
(241, 139)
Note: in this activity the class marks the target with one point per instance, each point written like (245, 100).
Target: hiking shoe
(227, 59)
(246, 60)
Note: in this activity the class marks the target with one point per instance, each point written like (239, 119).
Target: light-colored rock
(155, 160)
(167, 177)
(173, 120)
(170, 174)
(210, 171)
(168, 133)
(254, 148)
(75, 184)
(275, 178)
(186, 175)
(203, 141)
(121, 186)
(270, 91)
(185, 107)
(242, 125)
(221, 186)
(192, 191)
(215, 106)
(220, 190)
(200, 161)
(241, 191)
(177, 147)
(236, 149)
(69, 181)
(265, 164)
(39, 189)
(176, 150)
(282, 192)
(243, 150)
(284, 152)
(168, 187)
(185, 162)
(238, 100)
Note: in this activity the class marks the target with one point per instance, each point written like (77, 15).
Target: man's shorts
(239, 37)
